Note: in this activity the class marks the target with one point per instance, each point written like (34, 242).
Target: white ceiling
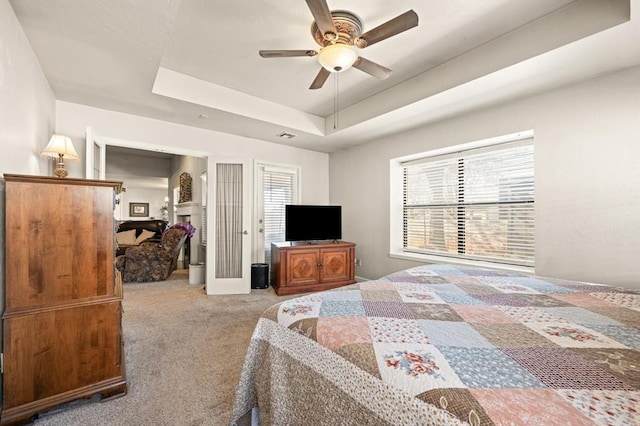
(195, 62)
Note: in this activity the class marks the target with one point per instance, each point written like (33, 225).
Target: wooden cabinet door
(302, 267)
(336, 264)
(57, 352)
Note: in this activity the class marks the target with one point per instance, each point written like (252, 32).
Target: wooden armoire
(62, 334)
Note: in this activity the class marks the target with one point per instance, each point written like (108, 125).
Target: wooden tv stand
(304, 267)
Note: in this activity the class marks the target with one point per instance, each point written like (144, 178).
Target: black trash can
(259, 275)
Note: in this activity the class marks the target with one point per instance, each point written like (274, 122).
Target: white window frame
(294, 169)
(396, 205)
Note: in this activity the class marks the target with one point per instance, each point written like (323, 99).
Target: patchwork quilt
(442, 344)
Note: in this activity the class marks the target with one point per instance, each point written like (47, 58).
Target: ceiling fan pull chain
(336, 92)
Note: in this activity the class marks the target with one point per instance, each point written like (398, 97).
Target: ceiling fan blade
(371, 68)
(390, 28)
(286, 53)
(320, 79)
(322, 15)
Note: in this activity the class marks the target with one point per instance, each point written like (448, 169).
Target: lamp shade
(60, 145)
(337, 57)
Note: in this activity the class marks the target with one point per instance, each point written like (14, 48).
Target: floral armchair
(152, 262)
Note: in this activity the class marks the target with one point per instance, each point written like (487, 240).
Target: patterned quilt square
(415, 368)
(424, 279)
(628, 336)
(471, 281)
(377, 285)
(519, 300)
(530, 314)
(480, 272)
(622, 315)
(622, 363)
(446, 288)
(419, 296)
(487, 368)
(422, 271)
(477, 288)
(563, 369)
(433, 312)
(344, 295)
(404, 286)
(582, 300)
(631, 301)
(580, 316)
(299, 308)
(528, 407)
(334, 332)
(569, 335)
(387, 309)
(381, 296)
(512, 336)
(587, 287)
(449, 333)
(541, 285)
(459, 402)
(362, 355)
(605, 406)
(507, 285)
(395, 330)
(447, 270)
(306, 327)
(341, 309)
(459, 298)
(501, 299)
(482, 314)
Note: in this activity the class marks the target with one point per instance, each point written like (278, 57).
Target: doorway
(276, 186)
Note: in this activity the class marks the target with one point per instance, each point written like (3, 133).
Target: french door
(276, 186)
(229, 216)
(95, 155)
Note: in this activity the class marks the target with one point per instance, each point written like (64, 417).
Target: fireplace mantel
(187, 209)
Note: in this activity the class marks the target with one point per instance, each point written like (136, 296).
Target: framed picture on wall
(138, 209)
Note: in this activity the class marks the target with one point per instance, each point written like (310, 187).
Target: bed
(441, 345)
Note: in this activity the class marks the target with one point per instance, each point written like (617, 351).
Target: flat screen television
(312, 223)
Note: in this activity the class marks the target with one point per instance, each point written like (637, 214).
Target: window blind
(203, 228)
(475, 204)
(278, 186)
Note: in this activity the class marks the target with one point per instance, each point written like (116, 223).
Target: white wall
(195, 167)
(153, 196)
(145, 179)
(587, 153)
(72, 119)
(27, 103)
(27, 113)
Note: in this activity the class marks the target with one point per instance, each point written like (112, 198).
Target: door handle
(245, 232)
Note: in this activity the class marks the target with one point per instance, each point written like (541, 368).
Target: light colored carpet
(184, 352)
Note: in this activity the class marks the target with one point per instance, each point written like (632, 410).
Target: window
(277, 187)
(475, 204)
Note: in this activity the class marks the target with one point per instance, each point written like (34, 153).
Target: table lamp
(60, 147)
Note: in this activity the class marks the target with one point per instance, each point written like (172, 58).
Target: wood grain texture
(55, 238)
(302, 268)
(62, 317)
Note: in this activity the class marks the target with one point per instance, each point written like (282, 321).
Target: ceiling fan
(339, 34)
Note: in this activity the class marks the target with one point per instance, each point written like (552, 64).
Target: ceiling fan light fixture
(337, 57)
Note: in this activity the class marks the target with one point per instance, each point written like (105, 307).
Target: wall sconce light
(60, 147)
